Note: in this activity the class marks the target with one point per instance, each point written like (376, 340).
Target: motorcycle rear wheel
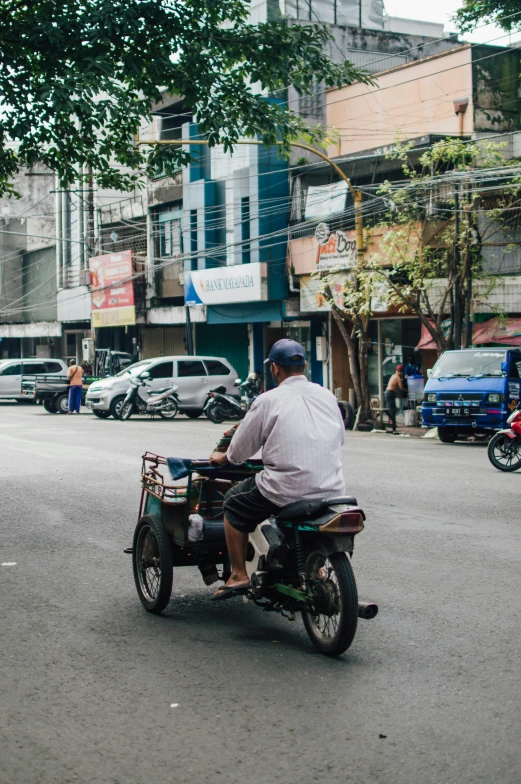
(215, 414)
(171, 411)
(504, 453)
(333, 630)
(126, 410)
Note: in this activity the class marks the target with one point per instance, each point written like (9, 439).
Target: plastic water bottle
(195, 530)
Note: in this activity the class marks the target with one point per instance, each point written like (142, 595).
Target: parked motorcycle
(504, 448)
(164, 402)
(297, 562)
(220, 405)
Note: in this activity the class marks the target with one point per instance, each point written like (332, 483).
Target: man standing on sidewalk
(75, 376)
(395, 387)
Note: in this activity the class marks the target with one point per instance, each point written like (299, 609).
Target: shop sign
(311, 298)
(335, 249)
(112, 290)
(225, 285)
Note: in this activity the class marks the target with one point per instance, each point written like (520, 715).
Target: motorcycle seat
(310, 510)
(160, 391)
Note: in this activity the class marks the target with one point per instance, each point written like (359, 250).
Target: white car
(12, 370)
(193, 376)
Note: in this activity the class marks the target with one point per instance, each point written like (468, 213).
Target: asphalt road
(428, 694)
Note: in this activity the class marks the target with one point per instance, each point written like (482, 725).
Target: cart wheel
(152, 564)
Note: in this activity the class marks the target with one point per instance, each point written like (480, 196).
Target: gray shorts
(245, 506)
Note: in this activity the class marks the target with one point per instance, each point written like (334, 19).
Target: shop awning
(503, 331)
(35, 329)
(426, 340)
(497, 330)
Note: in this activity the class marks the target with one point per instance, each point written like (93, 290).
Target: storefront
(235, 298)
(36, 339)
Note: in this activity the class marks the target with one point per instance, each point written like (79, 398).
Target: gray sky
(441, 11)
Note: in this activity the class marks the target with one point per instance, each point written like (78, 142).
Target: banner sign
(311, 300)
(112, 290)
(335, 249)
(224, 285)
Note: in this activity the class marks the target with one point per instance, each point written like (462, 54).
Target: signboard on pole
(224, 285)
(112, 290)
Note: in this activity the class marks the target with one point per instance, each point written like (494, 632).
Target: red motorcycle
(504, 449)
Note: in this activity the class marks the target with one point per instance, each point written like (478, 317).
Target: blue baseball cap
(287, 352)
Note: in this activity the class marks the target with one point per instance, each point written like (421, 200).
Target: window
(163, 370)
(12, 370)
(515, 367)
(170, 238)
(54, 367)
(312, 105)
(216, 368)
(245, 229)
(31, 368)
(190, 367)
(137, 367)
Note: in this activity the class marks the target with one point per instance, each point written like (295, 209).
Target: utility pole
(457, 281)
(189, 336)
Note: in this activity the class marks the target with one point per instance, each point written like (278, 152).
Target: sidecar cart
(181, 524)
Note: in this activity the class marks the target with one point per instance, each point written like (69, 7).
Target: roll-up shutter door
(224, 340)
(163, 341)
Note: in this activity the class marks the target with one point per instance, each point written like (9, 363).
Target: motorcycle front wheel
(215, 414)
(332, 627)
(126, 410)
(171, 410)
(504, 453)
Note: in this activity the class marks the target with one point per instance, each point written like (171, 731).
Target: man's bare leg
(236, 542)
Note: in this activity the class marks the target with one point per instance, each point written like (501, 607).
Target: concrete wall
(407, 102)
(26, 225)
(496, 88)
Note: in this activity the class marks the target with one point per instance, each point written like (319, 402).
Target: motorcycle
(297, 562)
(504, 448)
(220, 405)
(164, 402)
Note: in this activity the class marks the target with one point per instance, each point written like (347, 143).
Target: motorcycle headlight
(494, 397)
(432, 397)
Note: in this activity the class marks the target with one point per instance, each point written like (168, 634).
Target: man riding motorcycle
(299, 427)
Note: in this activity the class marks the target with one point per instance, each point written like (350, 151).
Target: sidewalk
(411, 432)
(401, 430)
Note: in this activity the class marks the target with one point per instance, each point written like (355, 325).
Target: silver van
(12, 370)
(193, 376)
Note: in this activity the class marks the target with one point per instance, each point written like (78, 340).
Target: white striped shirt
(300, 430)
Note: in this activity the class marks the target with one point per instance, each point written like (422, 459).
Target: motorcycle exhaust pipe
(367, 610)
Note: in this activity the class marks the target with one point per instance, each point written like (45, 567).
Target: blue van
(472, 391)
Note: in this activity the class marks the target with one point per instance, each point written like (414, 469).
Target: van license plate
(459, 412)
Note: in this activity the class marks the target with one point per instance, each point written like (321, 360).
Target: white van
(193, 376)
(12, 370)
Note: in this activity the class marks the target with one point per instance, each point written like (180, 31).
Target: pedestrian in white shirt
(300, 430)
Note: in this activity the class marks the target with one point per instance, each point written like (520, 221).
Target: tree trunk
(351, 353)
(364, 374)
